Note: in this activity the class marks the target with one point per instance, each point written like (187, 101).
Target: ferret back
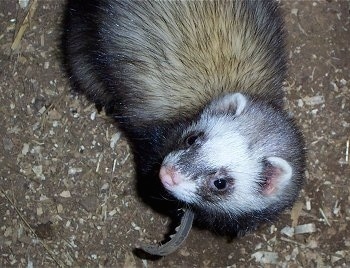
(161, 60)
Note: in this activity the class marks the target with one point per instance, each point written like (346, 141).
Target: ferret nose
(169, 176)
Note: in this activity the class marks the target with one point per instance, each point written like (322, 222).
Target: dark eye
(191, 139)
(220, 184)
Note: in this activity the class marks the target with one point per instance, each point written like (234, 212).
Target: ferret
(196, 87)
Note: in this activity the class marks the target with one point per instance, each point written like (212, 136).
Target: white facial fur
(223, 147)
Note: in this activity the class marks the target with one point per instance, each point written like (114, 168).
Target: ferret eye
(220, 184)
(191, 139)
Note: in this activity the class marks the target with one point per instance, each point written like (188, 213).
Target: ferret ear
(278, 174)
(231, 103)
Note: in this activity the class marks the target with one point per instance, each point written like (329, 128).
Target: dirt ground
(66, 173)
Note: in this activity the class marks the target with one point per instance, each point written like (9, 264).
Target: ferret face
(215, 168)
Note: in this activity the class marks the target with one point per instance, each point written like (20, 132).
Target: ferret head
(239, 157)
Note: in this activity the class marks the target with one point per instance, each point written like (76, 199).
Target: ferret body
(196, 86)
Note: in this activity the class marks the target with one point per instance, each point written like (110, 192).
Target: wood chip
(25, 148)
(315, 100)
(288, 231)
(25, 24)
(114, 139)
(38, 170)
(295, 213)
(324, 217)
(65, 194)
(305, 228)
(59, 208)
(23, 3)
(308, 204)
(73, 171)
(265, 257)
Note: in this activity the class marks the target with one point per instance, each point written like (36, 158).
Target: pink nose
(169, 176)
